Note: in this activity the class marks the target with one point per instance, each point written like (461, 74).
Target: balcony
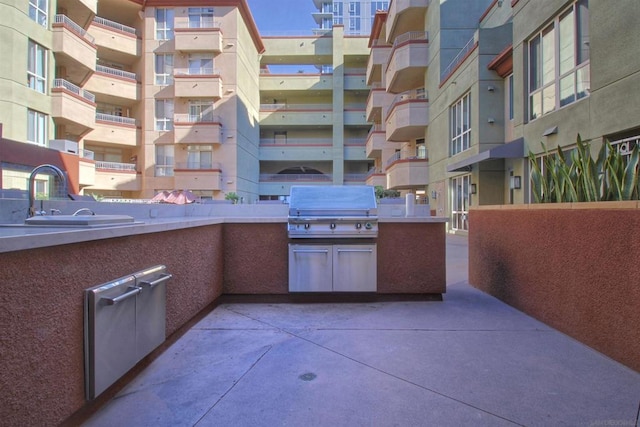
(355, 79)
(110, 129)
(377, 59)
(74, 49)
(376, 177)
(198, 37)
(121, 40)
(376, 141)
(197, 129)
(201, 83)
(73, 107)
(408, 62)
(117, 176)
(407, 172)
(115, 86)
(379, 99)
(355, 115)
(198, 176)
(296, 114)
(299, 178)
(408, 116)
(296, 149)
(295, 82)
(404, 16)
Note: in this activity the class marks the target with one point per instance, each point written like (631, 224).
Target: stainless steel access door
(110, 333)
(151, 309)
(354, 268)
(310, 268)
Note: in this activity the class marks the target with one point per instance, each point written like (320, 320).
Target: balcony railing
(293, 177)
(458, 58)
(77, 29)
(61, 83)
(114, 166)
(411, 36)
(416, 94)
(377, 127)
(297, 142)
(197, 165)
(355, 177)
(196, 118)
(205, 71)
(374, 171)
(296, 107)
(114, 25)
(86, 154)
(115, 119)
(116, 72)
(355, 141)
(400, 156)
(198, 24)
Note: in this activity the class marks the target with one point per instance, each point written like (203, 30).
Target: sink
(79, 220)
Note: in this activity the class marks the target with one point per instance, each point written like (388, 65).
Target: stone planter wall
(575, 267)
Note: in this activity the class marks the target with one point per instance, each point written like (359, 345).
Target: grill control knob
(332, 225)
(358, 226)
(306, 226)
(368, 226)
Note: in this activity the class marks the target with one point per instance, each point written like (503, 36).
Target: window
(199, 157)
(200, 17)
(421, 149)
(559, 61)
(38, 11)
(510, 105)
(37, 127)
(461, 125)
(199, 65)
(460, 201)
(164, 114)
(201, 111)
(164, 24)
(378, 5)
(164, 69)
(164, 160)
(37, 67)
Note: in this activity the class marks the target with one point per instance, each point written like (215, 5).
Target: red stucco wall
(574, 269)
(41, 352)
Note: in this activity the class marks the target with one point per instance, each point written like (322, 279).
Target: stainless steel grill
(333, 212)
(332, 231)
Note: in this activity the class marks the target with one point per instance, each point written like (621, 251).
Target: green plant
(381, 193)
(582, 179)
(232, 196)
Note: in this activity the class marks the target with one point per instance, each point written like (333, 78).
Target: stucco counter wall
(572, 266)
(41, 310)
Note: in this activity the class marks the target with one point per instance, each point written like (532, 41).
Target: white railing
(197, 165)
(115, 119)
(61, 83)
(355, 177)
(114, 25)
(374, 171)
(400, 156)
(205, 71)
(81, 32)
(115, 72)
(87, 154)
(115, 166)
(198, 24)
(196, 118)
(296, 107)
(411, 36)
(298, 141)
(458, 58)
(377, 127)
(293, 177)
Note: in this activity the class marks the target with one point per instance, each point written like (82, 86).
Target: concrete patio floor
(469, 360)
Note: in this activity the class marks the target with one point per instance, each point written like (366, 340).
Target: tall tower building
(356, 15)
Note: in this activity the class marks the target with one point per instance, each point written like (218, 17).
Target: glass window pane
(567, 42)
(582, 30)
(583, 82)
(548, 55)
(535, 105)
(567, 88)
(534, 64)
(548, 99)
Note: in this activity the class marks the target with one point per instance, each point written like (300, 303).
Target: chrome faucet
(32, 187)
(83, 210)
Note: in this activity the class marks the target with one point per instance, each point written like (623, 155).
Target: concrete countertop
(16, 237)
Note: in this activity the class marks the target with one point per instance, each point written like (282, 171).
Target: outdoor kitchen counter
(44, 272)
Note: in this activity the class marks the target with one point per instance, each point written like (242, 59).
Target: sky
(283, 17)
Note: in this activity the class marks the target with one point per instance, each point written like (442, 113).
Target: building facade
(497, 80)
(355, 16)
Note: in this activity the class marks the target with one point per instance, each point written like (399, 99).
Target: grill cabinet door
(310, 268)
(354, 268)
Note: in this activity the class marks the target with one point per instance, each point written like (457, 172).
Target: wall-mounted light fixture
(491, 88)
(474, 189)
(491, 120)
(515, 182)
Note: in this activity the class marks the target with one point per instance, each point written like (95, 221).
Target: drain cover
(309, 376)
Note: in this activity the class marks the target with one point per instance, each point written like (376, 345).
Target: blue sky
(282, 17)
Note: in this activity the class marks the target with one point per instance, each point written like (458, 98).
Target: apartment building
(149, 95)
(496, 82)
(313, 127)
(356, 16)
